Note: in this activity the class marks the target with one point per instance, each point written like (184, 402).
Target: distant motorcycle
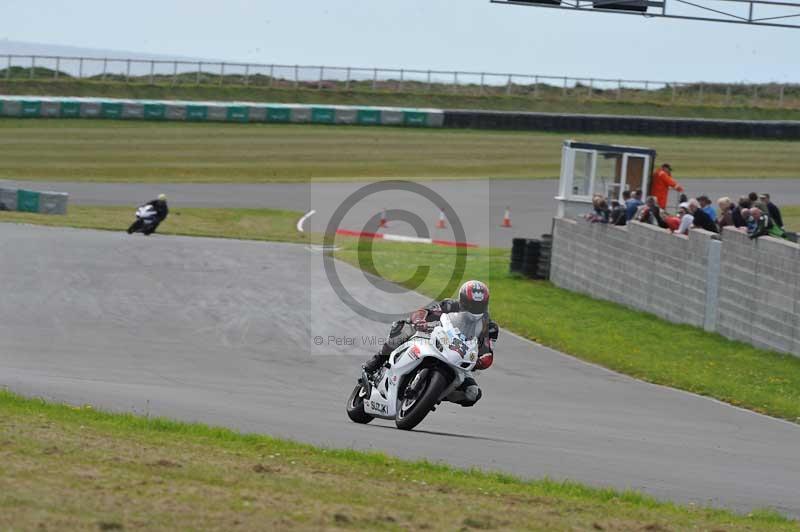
(421, 373)
(146, 220)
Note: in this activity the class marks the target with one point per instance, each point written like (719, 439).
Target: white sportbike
(419, 375)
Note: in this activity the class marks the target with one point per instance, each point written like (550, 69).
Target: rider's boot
(375, 363)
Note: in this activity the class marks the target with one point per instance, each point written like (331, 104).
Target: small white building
(605, 169)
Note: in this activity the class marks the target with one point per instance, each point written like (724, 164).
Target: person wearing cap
(686, 218)
(662, 182)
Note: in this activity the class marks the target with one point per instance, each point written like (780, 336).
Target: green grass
(791, 217)
(72, 467)
(638, 103)
(629, 341)
(248, 224)
(120, 151)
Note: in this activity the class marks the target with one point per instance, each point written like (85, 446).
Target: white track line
(307, 215)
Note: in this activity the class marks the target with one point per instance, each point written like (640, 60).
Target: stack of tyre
(531, 256)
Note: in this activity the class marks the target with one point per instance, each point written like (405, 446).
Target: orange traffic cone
(507, 218)
(384, 222)
(441, 224)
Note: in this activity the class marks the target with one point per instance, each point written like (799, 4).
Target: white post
(105, 68)
(80, 68)
(271, 75)
(535, 86)
(780, 96)
(33, 65)
(58, 67)
(402, 75)
(429, 79)
(347, 81)
(508, 86)
(199, 70)
(127, 71)
(374, 79)
(174, 73)
(321, 76)
(247, 74)
(619, 90)
(296, 76)
(152, 71)
(221, 73)
(483, 77)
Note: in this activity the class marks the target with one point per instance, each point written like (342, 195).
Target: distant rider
(470, 314)
(162, 210)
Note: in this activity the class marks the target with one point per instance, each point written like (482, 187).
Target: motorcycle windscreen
(469, 324)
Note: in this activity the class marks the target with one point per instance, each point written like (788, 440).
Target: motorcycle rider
(162, 210)
(470, 313)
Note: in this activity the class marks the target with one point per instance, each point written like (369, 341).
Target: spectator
(632, 203)
(705, 204)
(600, 213)
(772, 209)
(686, 218)
(739, 219)
(650, 213)
(725, 217)
(618, 213)
(701, 218)
(762, 225)
(662, 182)
(753, 197)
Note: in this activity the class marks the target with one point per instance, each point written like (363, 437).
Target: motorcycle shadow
(455, 435)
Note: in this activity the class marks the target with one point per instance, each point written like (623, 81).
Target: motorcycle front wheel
(355, 406)
(410, 412)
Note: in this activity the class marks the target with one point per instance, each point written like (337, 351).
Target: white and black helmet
(473, 297)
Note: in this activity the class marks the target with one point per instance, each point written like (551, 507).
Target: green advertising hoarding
(27, 201)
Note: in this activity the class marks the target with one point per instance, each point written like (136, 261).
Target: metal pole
(619, 90)
(33, 65)
(347, 81)
(674, 91)
(755, 94)
(197, 75)
(700, 99)
(591, 88)
(247, 74)
(58, 67)
(508, 86)
(80, 68)
(127, 70)
(296, 76)
(271, 75)
(429, 78)
(728, 95)
(8, 68)
(321, 75)
(402, 76)
(152, 71)
(536, 86)
(483, 77)
(780, 96)
(374, 79)
(174, 73)
(564, 89)
(455, 81)
(105, 68)
(221, 73)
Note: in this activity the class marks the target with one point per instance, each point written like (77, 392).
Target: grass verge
(638, 103)
(247, 224)
(71, 468)
(175, 152)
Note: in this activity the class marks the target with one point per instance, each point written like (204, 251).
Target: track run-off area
(227, 332)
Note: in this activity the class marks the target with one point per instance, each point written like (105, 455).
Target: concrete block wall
(758, 297)
(747, 290)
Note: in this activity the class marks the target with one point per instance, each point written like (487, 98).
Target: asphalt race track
(222, 331)
(479, 204)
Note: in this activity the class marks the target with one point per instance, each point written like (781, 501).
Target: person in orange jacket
(662, 182)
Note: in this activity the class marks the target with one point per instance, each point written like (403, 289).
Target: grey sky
(465, 34)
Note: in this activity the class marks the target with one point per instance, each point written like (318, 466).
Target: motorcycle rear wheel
(411, 412)
(355, 406)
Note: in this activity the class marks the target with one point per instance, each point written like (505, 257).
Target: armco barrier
(66, 107)
(33, 201)
(622, 124)
(744, 289)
